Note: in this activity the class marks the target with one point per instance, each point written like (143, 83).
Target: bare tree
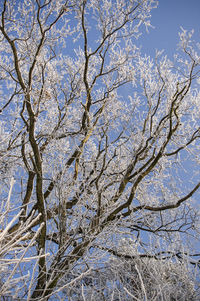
(99, 139)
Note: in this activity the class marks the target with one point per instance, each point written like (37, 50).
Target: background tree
(99, 139)
(135, 278)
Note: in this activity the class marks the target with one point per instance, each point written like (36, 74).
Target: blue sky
(167, 20)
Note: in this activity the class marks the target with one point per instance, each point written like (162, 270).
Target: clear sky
(167, 20)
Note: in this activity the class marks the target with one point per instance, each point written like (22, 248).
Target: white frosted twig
(130, 294)
(9, 194)
(2, 235)
(26, 259)
(17, 237)
(142, 283)
(83, 295)
(21, 258)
